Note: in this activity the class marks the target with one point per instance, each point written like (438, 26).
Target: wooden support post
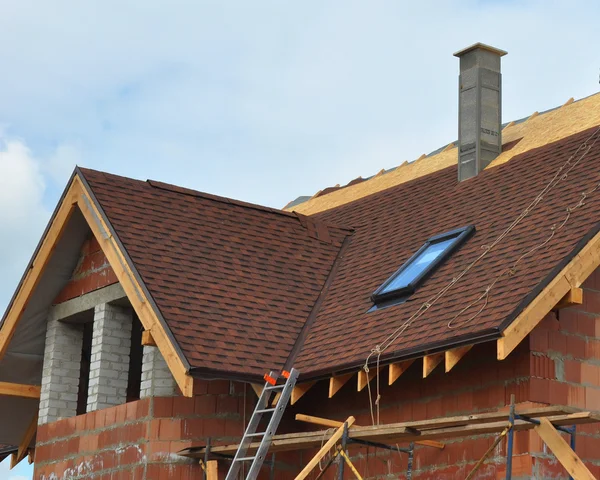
(147, 339)
(453, 356)
(363, 379)
(299, 390)
(212, 470)
(430, 362)
(19, 390)
(573, 297)
(563, 452)
(25, 443)
(335, 383)
(324, 449)
(397, 369)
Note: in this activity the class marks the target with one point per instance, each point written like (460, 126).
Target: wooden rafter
(299, 390)
(335, 383)
(452, 357)
(573, 297)
(397, 369)
(78, 196)
(363, 379)
(430, 362)
(25, 443)
(19, 390)
(571, 276)
(563, 452)
(148, 339)
(257, 388)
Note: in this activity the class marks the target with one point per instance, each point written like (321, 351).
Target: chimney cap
(482, 46)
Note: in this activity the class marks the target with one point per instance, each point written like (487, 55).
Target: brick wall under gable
(91, 273)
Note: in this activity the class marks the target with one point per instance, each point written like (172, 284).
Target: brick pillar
(62, 367)
(157, 380)
(111, 344)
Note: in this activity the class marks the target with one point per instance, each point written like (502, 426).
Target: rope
(560, 175)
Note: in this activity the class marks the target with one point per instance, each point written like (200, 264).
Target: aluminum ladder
(263, 407)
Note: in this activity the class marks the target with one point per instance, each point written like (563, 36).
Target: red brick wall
(139, 440)
(91, 273)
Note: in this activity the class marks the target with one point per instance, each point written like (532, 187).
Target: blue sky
(262, 101)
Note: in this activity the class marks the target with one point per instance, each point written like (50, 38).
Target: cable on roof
(561, 174)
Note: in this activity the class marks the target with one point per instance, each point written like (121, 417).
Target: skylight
(418, 267)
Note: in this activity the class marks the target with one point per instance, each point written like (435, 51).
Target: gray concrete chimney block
(479, 108)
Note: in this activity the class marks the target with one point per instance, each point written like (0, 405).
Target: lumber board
(212, 470)
(335, 383)
(563, 452)
(424, 430)
(397, 369)
(133, 289)
(452, 357)
(324, 450)
(573, 297)
(299, 390)
(20, 390)
(430, 362)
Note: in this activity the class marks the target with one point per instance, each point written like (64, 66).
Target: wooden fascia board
(37, 267)
(570, 277)
(20, 390)
(132, 287)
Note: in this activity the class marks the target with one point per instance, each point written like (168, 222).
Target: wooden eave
(78, 195)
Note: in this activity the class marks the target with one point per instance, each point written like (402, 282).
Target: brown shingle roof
(235, 282)
(392, 224)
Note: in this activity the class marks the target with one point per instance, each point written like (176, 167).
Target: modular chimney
(479, 108)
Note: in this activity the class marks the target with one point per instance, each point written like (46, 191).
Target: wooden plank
(133, 289)
(397, 369)
(363, 380)
(430, 362)
(38, 266)
(212, 470)
(25, 443)
(257, 388)
(563, 452)
(299, 390)
(147, 339)
(325, 422)
(20, 390)
(324, 450)
(335, 383)
(452, 357)
(573, 297)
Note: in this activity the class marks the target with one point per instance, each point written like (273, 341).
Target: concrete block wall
(61, 371)
(109, 366)
(157, 380)
(139, 440)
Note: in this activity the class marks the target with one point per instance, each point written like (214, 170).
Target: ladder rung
(259, 434)
(265, 410)
(275, 387)
(244, 459)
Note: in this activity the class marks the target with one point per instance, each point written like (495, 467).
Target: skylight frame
(459, 235)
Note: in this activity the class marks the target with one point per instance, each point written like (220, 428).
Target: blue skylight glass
(416, 269)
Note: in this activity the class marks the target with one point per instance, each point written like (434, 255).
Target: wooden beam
(397, 369)
(430, 362)
(363, 380)
(127, 278)
(147, 339)
(25, 443)
(324, 450)
(325, 422)
(38, 265)
(335, 383)
(453, 356)
(563, 452)
(573, 297)
(258, 388)
(299, 390)
(20, 390)
(212, 470)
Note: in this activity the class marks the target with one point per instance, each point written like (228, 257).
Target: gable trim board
(78, 194)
